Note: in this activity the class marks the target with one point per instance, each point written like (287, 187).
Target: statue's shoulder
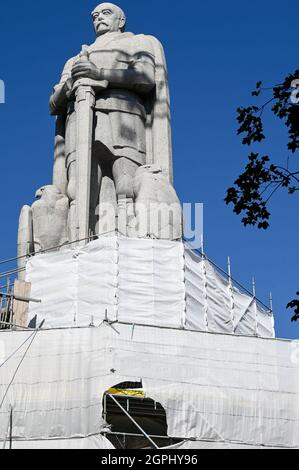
(145, 39)
(70, 62)
(151, 40)
(146, 42)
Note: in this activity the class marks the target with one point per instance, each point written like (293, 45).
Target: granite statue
(112, 122)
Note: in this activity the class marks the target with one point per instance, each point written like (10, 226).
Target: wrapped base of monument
(148, 282)
(150, 312)
(218, 390)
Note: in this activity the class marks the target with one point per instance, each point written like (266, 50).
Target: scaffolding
(8, 291)
(184, 388)
(6, 305)
(134, 420)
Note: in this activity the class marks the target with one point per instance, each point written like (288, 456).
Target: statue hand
(85, 70)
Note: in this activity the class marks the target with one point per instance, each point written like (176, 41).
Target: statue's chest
(114, 56)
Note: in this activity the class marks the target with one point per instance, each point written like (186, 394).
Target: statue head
(47, 192)
(108, 18)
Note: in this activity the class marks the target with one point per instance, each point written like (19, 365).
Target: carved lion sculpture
(157, 206)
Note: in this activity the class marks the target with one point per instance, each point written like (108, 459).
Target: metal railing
(6, 303)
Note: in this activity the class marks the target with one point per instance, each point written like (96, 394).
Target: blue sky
(216, 52)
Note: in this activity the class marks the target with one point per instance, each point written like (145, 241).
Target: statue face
(107, 18)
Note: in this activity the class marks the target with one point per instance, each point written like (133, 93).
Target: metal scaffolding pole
(133, 421)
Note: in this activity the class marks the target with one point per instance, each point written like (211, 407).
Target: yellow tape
(126, 392)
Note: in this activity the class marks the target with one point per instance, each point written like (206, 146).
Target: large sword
(85, 92)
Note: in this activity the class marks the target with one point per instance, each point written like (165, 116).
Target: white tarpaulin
(241, 391)
(90, 443)
(194, 444)
(153, 282)
(215, 305)
(75, 285)
(140, 281)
